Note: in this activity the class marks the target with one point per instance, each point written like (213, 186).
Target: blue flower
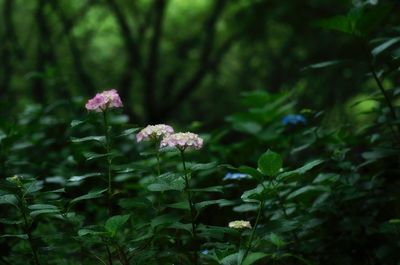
(204, 252)
(234, 176)
(293, 119)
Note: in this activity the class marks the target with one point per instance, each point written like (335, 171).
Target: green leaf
(181, 226)
(270, 163)
(205, 166)
(246, 207)
(381, 48)
(302, 170)
(82, 177)
(100, 139)
(75, 123)
(221, 202)
(23, 236)
(251, 171)
(184, 205)
(277, 240)
(9, 199)
(210, 189)
(128, 132)
(322, 64)
(114, 223)
(253, 195)
(306, 192)
(254, 257)
(84, 232)
(44, 211)
(340, 23)
(168, 181)
(41, 206)
(91, 156)
(89, 196)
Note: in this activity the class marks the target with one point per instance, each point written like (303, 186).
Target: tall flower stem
(109, 158)
(158, 162)
(191, 205)
(253, 232)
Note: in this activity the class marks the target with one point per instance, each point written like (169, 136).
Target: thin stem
(110, 262)
(109, 159)
(122, 256)
(380, 86)
(191, 205)
(158, 163)
(29, 233)
(249, 245)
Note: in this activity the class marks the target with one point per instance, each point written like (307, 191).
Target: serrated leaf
(270, 163)
(167, 181)
(115, 222)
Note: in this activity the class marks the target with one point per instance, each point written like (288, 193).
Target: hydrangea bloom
(293, 119)
(240, 224)
(154, 132)
(104, 100)
(233, 176)
(182, 141)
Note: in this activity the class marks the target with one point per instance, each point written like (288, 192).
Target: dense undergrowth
(78, 187)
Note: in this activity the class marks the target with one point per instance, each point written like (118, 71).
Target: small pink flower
(182, 141)
(154, 132)
(104, 100)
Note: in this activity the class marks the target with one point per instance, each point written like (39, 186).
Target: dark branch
(207, 63)
(153, 58)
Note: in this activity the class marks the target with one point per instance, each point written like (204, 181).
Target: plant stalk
(191, 205)
(109, 159)
(30, 238)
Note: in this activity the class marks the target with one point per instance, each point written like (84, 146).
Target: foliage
(80, 188)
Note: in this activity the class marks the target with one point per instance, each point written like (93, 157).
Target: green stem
(109, 159)
(249, 245)
(29, 233)
(110, 262)
(158, 163)
(122, 256)
(191, 205)
(381, 88)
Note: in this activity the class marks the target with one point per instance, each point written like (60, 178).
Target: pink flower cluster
(154, 132)
(182, 141)
(104, 100)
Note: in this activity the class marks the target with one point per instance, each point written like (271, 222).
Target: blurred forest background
(178, 59)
